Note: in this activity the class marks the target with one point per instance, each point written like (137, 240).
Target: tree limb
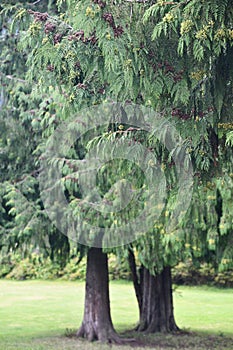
(12, 78)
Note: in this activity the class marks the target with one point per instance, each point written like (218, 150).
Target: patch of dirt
(180, 340)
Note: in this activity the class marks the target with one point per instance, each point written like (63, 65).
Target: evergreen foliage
(172, 56)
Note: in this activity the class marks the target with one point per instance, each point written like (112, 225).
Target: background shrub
(36, 266)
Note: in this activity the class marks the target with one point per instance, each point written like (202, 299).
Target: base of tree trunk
(156, 312)
(106, 336)
(97, 323)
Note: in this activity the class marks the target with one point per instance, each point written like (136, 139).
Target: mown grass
(35, 315)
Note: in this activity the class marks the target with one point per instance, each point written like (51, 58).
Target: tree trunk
(97, 323)
(156, 313)
(155, 300)
(136, 281)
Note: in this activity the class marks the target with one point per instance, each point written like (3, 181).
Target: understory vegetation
(36, 266)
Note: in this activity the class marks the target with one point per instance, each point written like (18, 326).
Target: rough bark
(155, 300)
(97, 323)
(156, 313)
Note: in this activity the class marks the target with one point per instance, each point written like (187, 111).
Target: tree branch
(36, 2)
(12, 78)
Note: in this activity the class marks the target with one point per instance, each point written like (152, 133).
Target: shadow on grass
(181, 340)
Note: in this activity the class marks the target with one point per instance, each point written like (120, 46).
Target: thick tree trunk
(155, 300)
(97, 323)
(156, 313)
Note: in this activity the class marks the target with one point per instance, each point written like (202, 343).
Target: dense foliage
(172, 56)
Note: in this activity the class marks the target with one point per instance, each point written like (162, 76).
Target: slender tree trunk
(136, 281)
(155, 300)
(97, 323)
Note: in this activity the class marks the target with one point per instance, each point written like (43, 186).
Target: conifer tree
(157, 54)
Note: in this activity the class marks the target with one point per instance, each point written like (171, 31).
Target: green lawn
(35, 315)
